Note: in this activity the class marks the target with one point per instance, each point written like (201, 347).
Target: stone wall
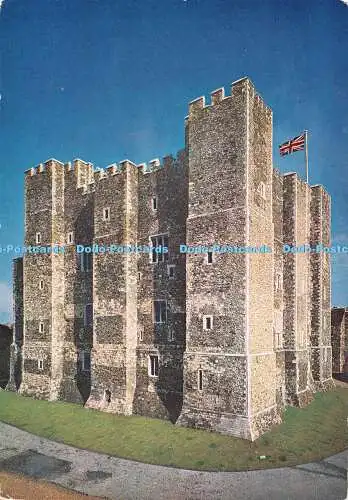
(6, 336)
(338, 315)
(321, 353)
(230, 202)
(17, 340)
(297, 304)
(162, 396)
(40, 187)
(79, 230)
(238, 336)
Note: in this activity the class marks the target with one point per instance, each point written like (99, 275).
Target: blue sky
(106, 80)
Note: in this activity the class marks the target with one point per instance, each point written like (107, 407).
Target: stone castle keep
(216, 341)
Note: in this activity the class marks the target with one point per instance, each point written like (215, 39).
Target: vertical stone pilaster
(338, 339)
(321, 351)
(16, 347)
(296, 226)
(131, 279)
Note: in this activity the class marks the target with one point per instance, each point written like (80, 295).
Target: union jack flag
(295, 144)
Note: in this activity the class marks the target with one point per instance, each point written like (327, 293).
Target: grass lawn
(306, 435)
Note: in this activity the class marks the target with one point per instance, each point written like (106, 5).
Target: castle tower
(230, 362)
(321, 351)
(114, 290)
(297, 304)
(78, 293)
(162, 213)
(43, 282)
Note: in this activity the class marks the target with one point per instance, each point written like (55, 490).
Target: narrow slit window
(70, 237)
(208, 322)
(200, 380)
(154, 203)
(153, 366)
(209, 257)
(171, 271)
(108, 396)
(38, 238)
(160, 311)
(40, 364)
(41, 327)
(106, 213)
(41, 284)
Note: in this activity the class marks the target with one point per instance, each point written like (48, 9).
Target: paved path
(120, 479)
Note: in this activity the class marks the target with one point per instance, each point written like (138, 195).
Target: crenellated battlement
(43, 167)
(151, 167)
(168, 161)
(218, 96)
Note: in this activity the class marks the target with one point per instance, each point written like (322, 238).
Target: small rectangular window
(41, 284)
(153, 366)
(38, 238)
(88, 315)
(85, 261)
(200, 380)
(171, 335)
(154, 203)
(161, 243)
(41, 327)
(209, 257)
(207, 322)
(70, 237)
(171, 273)
(141, 333)
(160, 311)
(106, 213)
(40, 364)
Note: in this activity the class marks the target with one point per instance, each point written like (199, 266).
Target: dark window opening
(160, 307)
(200, 380)
(108, 396)
(210, 257)
(85, 261)
(154, 366)
(161, 243)
(86, 362)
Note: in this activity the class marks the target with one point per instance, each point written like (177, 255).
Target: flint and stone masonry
(221, 341)
(5, 343)
(339, 340)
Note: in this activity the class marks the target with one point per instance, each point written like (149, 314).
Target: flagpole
(306, 153)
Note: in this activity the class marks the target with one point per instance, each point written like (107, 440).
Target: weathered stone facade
(5, 343)
(15, 377)
(339, 340)
(220, 341)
